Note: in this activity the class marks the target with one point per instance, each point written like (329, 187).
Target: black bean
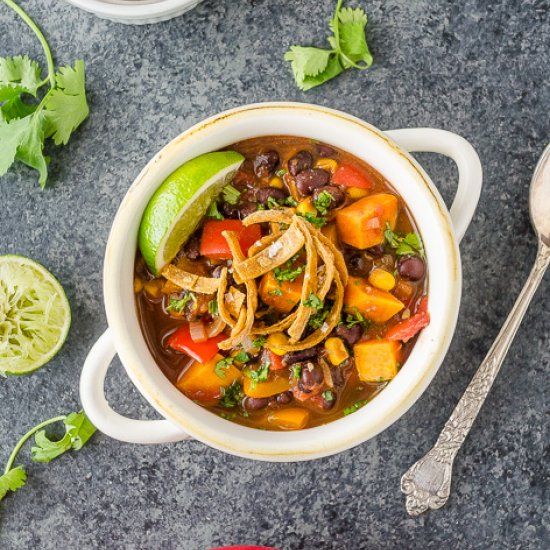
(263, 194)
(312, 375)
(192, 247)
(324, 150)
(230, 211)
(284, 398)
(350, 335)
(299, 162)
(246, 208)
(358, 265)
(411, 268)
(337, 376)
(308, 180)
(255, 403)
(376, 251)
(265, 163)
(293, 357)
(337, 195)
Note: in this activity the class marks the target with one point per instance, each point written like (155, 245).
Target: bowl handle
(92, 395)
(430, 140)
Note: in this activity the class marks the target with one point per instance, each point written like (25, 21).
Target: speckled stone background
(478, 68)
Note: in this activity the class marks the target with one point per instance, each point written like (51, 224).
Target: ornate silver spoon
(427, 483)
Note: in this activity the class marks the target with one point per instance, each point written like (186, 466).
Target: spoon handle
(427, 483)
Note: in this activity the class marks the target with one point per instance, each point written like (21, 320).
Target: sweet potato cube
(201, 381)
(362, 224)
(375, 304)
(291, 418)
(281, 296)
(277, 384)
(377, 360)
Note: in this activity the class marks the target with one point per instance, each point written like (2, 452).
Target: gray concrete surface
(475, 67)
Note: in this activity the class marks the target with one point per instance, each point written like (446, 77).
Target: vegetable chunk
(289, 419)
(362, 224)
(202, 381)
(377, 360)
(375, 304)
(274, 386)
(282, 296)
(213, 244)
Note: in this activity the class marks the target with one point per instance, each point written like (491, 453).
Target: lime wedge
(35, 315)
(178, 205)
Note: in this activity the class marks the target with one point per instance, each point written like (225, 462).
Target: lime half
(178, 205)
(35, 315)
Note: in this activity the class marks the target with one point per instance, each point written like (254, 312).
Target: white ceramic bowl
(140, 12)
(385, 151)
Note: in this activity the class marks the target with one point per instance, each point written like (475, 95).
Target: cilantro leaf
(213, 212)
(259, 341)
(313, 66)
(222, 365)
(213, 307)
(67, 107)
(275, 292)
(288, 273)
(328, 395)
(313, 301)
(355, 407)
(179, 305)
(12, 480)
(322, 202)
(231, 396)
(307, 61)
(317, 221)
(21, 74)
(79, 428)
(296, 370)
(258, 375)
(407, 245)
(242, 357)
(230, 194)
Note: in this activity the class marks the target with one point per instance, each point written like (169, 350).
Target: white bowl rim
(335, 436)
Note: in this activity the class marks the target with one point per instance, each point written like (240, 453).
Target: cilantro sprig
(259, 375)
(407, 245)
(26, 125)
(314, 66)
(178, 305)
(78, 430)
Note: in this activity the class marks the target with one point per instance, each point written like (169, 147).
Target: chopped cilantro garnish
(179, 305)
(259, 341)
(258, 375)
(222, 365)
(242, 357)
(317, 320)
(322, 202)
(356, 318)
(213, 212)
(296, 371)
(408, 245)
(288, 273)
(355, 407)
(280, 173)
(213, 307)
(328, 395)
(231, 396)
(317, 221)
(313, 301)
(230, 194)
(276, 292)
(273, 203)
(291, 201)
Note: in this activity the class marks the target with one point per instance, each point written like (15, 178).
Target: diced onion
(215, 327)
(197, 331)
(327, 374)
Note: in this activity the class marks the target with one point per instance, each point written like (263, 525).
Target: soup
(298, 297)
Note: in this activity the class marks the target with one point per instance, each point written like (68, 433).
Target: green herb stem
(31, 432)
(34, 27)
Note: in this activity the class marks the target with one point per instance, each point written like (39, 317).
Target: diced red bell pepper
(275, 361)
(350, 176)
(213, 244)
(405, 330)
(181, 340)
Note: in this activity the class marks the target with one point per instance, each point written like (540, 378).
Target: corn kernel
(153, 288)
(276, 182)
(138, 285)
(356, 192)
(305, 206)
(336, 350)
(382, 279)
(274, 340)
(329, 165)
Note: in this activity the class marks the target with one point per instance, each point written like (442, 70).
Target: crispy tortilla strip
(234, 299)
(190, 281)
(264, 242)
(238, 334)
(277, 327)
(260, 216)
(325, 281)
(339, 261)
(329, 324)
(276, 254)
(223, 311)
(309, 286)
(228, 343)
